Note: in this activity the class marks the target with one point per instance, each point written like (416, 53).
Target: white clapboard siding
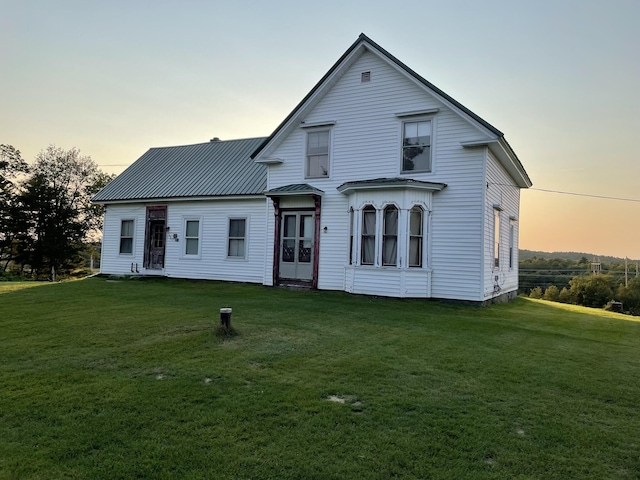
(366, 144)
(212, 263)
(503, 193)
(112, 262)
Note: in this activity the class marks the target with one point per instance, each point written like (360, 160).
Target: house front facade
(376, 183)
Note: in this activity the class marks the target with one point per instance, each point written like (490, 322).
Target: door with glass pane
(296, 245)
(155, 237)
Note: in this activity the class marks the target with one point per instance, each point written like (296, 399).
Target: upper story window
(390, 236)
(126, 237)
(416, 146)
(317, 154)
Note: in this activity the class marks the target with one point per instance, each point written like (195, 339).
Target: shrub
(535, 293)
(552, 293)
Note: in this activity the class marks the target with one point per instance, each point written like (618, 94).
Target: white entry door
(296, 245)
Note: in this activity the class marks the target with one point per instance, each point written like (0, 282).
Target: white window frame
(496, 239)
(421, 237)
(307, 155)
(368, 208)
(384, 234)
(244, 239)
(512, 235)
(133, 236)
(185, 237)
(406, 121)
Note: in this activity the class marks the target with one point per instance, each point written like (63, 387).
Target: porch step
(295, 286)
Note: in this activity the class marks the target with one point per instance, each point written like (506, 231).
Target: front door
(155, 237)
(296, 246)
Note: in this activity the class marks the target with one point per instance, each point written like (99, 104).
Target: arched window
(416, 226)
(390, 236)
(368, 244)
(351, 236)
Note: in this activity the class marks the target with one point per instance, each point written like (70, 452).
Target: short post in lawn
(225, 317)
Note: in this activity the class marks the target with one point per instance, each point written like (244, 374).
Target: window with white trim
(416, 217)
(351, 219)
(390, 236)
(237, 237)
(368, 243)
(192, 237)
(126, 237)
(317, 163)
(512, 228)
(416, 146)
(496, 238)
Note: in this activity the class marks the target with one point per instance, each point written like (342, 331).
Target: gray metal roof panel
(390, 182)
(221, 168)
(295, 188)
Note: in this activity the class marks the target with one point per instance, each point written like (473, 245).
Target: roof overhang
(217, 198)
(294, 190)
(506, 156)
(389, 183)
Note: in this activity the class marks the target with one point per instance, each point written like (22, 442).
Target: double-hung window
(512, 228)
(192, 237)
(415, 237)
(368, 235)
(416, 146)
(126, 237)
(317, 163)
(390, 236)
(237, 237)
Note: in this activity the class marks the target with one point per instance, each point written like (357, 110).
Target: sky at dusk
(560, 78)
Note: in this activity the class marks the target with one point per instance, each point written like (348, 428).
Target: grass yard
(103, 379)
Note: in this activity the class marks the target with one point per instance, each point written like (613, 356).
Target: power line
(562, 192)
(587, 195)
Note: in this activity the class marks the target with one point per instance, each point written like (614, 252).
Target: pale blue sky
(559, 78)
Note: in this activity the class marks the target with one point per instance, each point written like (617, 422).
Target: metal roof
(394, 182)
(294, 189)
(216, 168)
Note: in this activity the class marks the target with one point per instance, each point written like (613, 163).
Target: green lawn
(103, 379)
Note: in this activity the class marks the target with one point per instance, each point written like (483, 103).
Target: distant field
(127, 379)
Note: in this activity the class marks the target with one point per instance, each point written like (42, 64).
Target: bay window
(390, 236)
(415, 236)
(368, 235)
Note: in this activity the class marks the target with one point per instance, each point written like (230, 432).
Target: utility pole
(626, 273)
(596, 265)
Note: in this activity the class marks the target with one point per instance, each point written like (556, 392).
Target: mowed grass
(103, 379)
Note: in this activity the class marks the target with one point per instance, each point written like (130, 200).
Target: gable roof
(364, 43)
(216, 168)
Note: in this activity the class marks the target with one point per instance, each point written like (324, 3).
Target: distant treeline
(581, 279)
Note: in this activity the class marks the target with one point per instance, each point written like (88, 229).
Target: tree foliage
(51, 213)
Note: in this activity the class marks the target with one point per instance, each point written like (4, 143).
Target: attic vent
(215, 139)
(365, 77)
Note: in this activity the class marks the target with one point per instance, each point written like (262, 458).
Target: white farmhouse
(377, 183)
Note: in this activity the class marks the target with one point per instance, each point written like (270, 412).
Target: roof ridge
(208, 143)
